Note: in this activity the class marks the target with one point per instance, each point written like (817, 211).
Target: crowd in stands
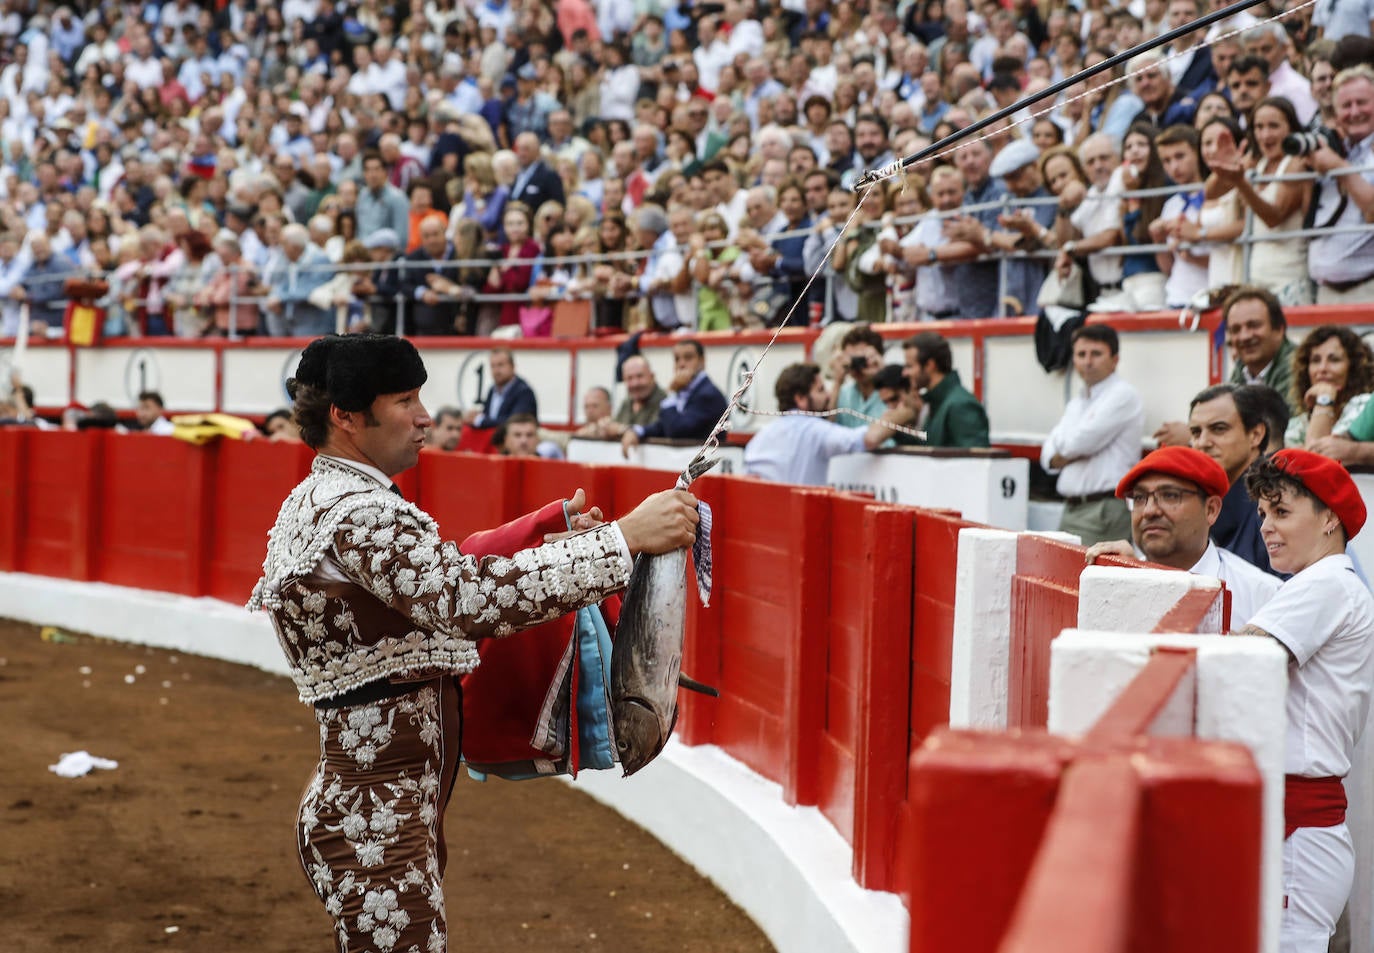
(465, 167)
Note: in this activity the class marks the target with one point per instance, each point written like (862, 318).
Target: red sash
(1312, 802)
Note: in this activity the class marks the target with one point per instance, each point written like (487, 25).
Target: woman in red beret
(1324, 617)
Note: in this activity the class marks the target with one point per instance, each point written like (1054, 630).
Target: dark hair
(522, 419)
(715, 165)
(873, 118)
(1244, 64)
(371, 154)
(311, 413)
(280, 413)
(1263, 295)
(1359, 379)
(796, 380)
(1004, 81)
(1266, 481)
(1176, 134)
(1151, 177)
(694, 344)
(891, 376)
(861, 334)
(1250, 406)
(930, 346)
(1272, 409)
(1101, 333)
(444, 413)
(1284, 106)
(152, 395)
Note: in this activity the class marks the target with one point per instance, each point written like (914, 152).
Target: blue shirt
(797, 449)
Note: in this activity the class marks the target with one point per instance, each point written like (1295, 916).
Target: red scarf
(1312, 802)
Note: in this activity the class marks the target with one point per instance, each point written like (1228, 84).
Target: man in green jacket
(1257, 335)
(956, 418)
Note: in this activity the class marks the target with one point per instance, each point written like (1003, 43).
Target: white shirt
(934, 291)
(1251, 587)
(796, 448)
(1099, 211)
(1103, 425)
(162, 427)
(1185, 279)
(1324, 616)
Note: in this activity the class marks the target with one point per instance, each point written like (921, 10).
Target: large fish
(646, 659)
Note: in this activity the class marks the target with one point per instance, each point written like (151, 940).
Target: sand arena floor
(188, 844)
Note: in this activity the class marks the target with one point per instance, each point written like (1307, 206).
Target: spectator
(797, 447)
(1269, 42)
(1175, 495)
(956, 417)
(422, 208)
(1257, 337)
(1090, 191)
(1220, 220)
(664, 279)
(596, 411)
(301, 269)
(519, 436)
(853, 371)
(927, 248)
(1333, 373)
(43, 283)
(643, 398)
(1277, 264)
(228, 295)
(1342, 263)
(709, 264)
(189, 319)
(535, 183)
(509, 395)
(612, 274)
(975, 282)
(1163, 104)
(447, 430)
(148, 413)
(1227, 423)
(429, 283)
(1097, 441)
(694, 404)
(1177, 225)
(843, 302)
(870, 287)
(380, 204)
(514, 267)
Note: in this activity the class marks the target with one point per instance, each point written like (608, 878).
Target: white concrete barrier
(1240, 684)
(652, 456)
(1112, 599)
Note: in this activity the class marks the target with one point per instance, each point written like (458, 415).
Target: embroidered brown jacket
(360, 586)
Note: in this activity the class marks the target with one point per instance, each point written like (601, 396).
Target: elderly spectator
(301, 269)
(42, 283)
(13, 267)
(1090, 191)
(1343, 264)
(429, 283)
(228, 296)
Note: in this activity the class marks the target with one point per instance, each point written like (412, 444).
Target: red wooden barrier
(251, 480)
(702, 649)
(466, 492)
(932, 629)
(13, 445)
(805, 674)
(62, 479)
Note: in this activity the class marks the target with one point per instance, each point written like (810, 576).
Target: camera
(1305, 143)
(858, 364)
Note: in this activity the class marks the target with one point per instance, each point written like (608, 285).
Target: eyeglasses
(1166, 497)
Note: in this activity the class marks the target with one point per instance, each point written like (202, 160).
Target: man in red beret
(1175, 495)
(1324, 618)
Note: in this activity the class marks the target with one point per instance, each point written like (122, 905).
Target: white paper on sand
(74, 764)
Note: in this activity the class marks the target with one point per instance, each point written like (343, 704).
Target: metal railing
(581, 264)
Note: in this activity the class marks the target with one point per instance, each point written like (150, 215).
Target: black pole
(872, 176)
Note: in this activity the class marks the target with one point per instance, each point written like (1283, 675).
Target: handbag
(536, 322)
(1065, 292)
(572, 319)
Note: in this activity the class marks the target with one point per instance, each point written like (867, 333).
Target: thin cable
(712, 442)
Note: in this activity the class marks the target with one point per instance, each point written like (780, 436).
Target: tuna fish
(646, 660)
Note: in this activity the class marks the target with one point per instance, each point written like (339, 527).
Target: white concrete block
(981, 653)
(1112, 599)
(1240, 686)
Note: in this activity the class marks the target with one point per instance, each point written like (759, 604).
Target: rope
(712, 442)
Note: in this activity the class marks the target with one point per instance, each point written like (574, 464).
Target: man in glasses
(1174, 496)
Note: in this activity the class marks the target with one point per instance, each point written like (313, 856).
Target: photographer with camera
(1342, 263)
(854, 376)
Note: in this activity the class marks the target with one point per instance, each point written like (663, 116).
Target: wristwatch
(1324, 400)
(932, 255)
(1070, 247)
